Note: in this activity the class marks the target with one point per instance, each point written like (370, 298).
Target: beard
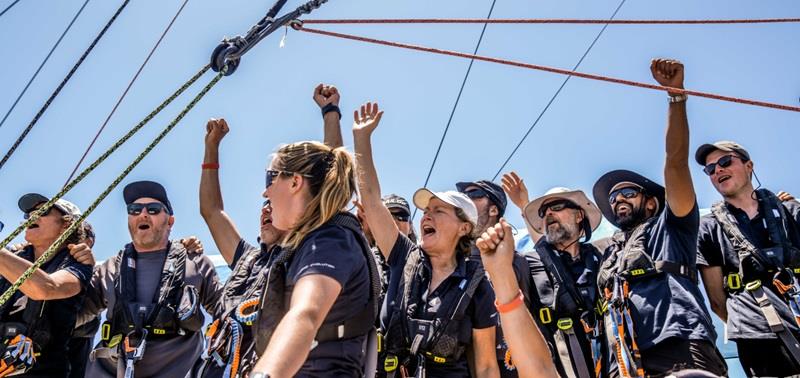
(483, 220)
(632, 219)
(559, 233)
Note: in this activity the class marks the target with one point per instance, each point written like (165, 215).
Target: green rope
(44, 208)
(74, 226)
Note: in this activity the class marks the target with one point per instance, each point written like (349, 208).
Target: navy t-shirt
(669, 305)
(334, 251)
(480, 312)
(745, 319)
(61, 313)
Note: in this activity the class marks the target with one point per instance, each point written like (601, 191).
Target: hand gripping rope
(258, 33)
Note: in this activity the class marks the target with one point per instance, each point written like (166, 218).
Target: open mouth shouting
(723, 178)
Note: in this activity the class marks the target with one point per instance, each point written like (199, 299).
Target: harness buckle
(638, 272)
(390, 363)
(564, 324)
(734, 281)
(105, 331)
(437, 359)
(753, 285)
(545, 316)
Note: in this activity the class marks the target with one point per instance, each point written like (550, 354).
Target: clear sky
(591, 128)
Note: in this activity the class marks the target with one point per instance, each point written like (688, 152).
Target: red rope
(547, 21)
(300, 27)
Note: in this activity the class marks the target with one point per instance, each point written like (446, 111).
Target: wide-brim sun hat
(612, 180)
(578, 197)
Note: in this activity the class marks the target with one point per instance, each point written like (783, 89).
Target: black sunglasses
(557, 206)
(271, 174)
(27, 215)
(723, 162)
(153, 208)
(476, 193)
(401, 216)
(628, 193)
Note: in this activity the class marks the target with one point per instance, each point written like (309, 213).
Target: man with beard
(657, 320)
(749, 242)
(153, 289)
(491, 202)
(564, 272)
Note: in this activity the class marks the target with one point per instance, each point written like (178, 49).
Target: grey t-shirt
(165, 357)
(148, 274)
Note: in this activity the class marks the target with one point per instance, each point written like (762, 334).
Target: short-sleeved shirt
(745, 319)
(333, 251)
(61, 314)
(166, 356)
(669, 305)
(480, 313)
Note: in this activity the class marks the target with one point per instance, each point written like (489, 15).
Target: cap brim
(29, 201)
(604, 184)
(422, 197)
(702, 153)
(531, 211)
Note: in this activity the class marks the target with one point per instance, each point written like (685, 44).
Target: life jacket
(275, 297)
(574, 305)
(442, 340)
(761, 263)
(174, 310)
(36, 321)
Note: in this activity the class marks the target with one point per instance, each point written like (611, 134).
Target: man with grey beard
(564, 268)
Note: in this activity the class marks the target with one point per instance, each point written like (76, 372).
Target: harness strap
(569, 350)
(774, 321)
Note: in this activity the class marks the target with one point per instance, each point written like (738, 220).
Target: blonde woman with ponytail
(327, 275)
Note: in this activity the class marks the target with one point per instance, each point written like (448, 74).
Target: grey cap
(29, 202)
(723, 145)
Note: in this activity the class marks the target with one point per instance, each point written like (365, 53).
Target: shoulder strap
(775, 217)
(34, 310)
(558, 274)
(743, 246)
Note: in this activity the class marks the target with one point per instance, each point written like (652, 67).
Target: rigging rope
(455, 105)
(46, 58)
(124, 93)
(60, 86)
(299, 26)
(558, 91)
(549, 21)
(8, 7)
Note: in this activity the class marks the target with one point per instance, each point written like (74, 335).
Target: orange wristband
(210, 166)
(504, 308)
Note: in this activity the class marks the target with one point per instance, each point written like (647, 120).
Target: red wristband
(510, 306)
(210, 165)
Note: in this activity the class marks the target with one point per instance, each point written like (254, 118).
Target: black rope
(61, 86)
(455, 105)
(43, 63)
(8, 7)
(558, 91)
(125, 93)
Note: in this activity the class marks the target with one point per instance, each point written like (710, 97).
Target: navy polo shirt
(62, 313)
(669, 305)
(334, 251)
(480, 312)
(745, 319)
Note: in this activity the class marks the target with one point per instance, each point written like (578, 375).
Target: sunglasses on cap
(153, 208)
(272, 173)
(628, 193)
(476, 193)
(556, 206)
(723, 162)
(27, 215)
(400, 216)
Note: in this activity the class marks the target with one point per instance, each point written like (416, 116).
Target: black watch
(331, 108)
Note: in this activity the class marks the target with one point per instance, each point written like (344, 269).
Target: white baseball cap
(423, 196)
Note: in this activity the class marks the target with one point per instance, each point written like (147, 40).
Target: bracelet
(677, 99)
(210, 166)
(331, 108)
(510, 306)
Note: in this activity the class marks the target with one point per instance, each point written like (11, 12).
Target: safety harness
(777, 265)
(173, 311)
(572, 302)
(626, 262)
(23, 341)
(443, 340)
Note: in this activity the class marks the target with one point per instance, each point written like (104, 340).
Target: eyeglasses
(628, 193)
(153, 208)
(476, 193)
(557, 206)
(401, 216)
(271, 174)
(27, 215)
(723, 162)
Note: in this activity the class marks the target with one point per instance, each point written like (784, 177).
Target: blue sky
(591, 128)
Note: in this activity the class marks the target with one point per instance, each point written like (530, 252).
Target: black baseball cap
(493, 191)
(393, 201)
(151, 189)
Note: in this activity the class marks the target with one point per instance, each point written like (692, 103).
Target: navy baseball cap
(151, 189)
(493, 191)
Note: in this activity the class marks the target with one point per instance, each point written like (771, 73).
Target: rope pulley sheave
(230, 51)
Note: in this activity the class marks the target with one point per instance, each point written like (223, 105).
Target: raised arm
(529, 350)
(379, 219)
(40, 286)
(677, 177)
(327, 98)
(518, 193)
(222, 228)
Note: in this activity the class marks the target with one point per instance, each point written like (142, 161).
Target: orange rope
(548, 21)
(299, 26)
